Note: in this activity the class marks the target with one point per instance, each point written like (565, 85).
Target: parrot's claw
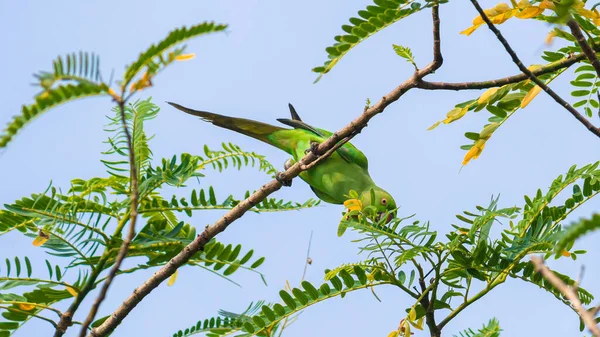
(285, 182)
(314, 148)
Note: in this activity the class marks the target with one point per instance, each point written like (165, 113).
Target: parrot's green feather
(254, 129)
(348, 151)
(331, 180)
(323, 196)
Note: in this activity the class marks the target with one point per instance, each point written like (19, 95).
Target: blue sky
(253, 71)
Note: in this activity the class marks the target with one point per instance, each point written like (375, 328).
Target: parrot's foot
(314, 148)
(285, 182)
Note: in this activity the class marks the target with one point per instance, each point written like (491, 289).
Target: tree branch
(240, 209)
(66, 318)
(133, 213)
(531, 76)
(550, 68)
(586, 316)
(585, 47)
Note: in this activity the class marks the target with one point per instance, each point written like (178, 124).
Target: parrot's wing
(248, 127)
(293, 112)
(323, 196)
(348, 151)
(298, 124)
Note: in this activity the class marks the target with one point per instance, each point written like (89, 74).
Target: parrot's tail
(248, 127)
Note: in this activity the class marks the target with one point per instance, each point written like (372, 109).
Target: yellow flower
(173, 278)
(142, 83)
(412, 314)
(529, 12)
(565, 253)
(550, 37)
(185, 57)
(502, 12)
(547, 4)
(435, 125)
(487, 132)
(71, 291)
(530, 96)
(418, 324)
(353, 204)
(485, 97)
(26, 306)
(474, 152)
(497, 15)
(40, 239)
(455, 114)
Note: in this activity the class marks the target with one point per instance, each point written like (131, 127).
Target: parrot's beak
(390, 217)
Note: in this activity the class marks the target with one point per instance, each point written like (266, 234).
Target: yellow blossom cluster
(525, 10)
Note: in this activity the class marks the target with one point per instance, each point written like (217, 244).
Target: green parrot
(331, 180)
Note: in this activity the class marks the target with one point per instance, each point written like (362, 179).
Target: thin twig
(531, 76)
(308, 260)
(306, 263)
(133, 213)
(240, 209)
(586, 316)
(550, 68)
(585, 47)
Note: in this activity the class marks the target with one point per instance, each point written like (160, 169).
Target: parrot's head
(381, 200)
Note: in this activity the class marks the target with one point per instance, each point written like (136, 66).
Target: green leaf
(257, 263)
(174, 38)
(405, 53)
(287, 299)
(299, 294)
(310, 289)
(81, 68)
(268, 313)
(46, 101)
(381, 15)
(491, 329)
(575, 231)
(348, 280)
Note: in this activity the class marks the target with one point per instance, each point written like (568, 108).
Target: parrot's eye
(384, 201)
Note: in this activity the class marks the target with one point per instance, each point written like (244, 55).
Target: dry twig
(569, 293)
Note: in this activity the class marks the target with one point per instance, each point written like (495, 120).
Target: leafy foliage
(46, 101)
(37, 294)
(491, 329)
(220, 159)
(74, 226)
(374, 18)
(214, 326)
(501, 102)
(586, 89)
(439, 274)
(135, 116)
(81, 72)
(267, 320)
(567, 237)
(405, 53)
(81, 68)
(154, 58)
(202, 200)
